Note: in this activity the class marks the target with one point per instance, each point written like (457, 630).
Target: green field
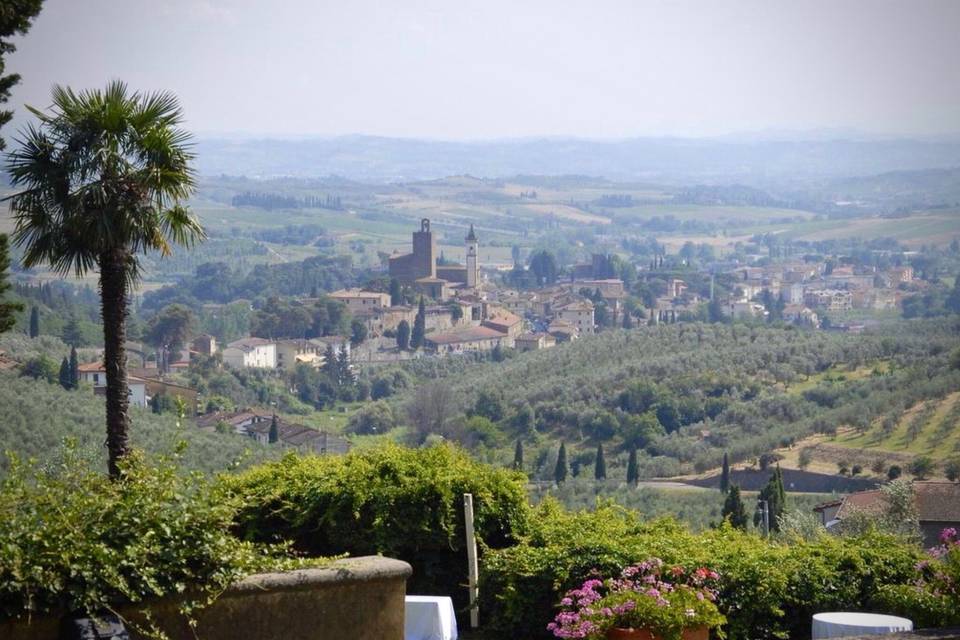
(932, 228)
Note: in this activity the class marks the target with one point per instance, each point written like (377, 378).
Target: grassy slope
(938, 438)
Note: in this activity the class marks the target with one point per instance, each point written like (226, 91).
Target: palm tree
(102, 180)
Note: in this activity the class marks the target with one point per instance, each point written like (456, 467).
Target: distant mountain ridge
(755, 163)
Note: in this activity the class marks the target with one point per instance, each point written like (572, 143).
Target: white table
(429, 618)
(842, 624)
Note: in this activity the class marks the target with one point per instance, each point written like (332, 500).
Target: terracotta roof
(869, 501)
(232, 418)
(504, 317)
(827, 505)
(530, 337)
(577, 306)
(91, 367)
(470, 334)
(298, 435)
(936, 501)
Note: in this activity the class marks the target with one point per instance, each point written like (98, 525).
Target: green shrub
(72, 538)
(403, 503)
(768, 589)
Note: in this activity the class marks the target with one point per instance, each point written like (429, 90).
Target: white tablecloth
(842, 624)
(429, 618)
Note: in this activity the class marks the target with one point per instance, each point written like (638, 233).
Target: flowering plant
(662, 600)
(934, 597)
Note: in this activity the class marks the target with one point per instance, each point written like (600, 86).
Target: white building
(255, 353)
(96, 374)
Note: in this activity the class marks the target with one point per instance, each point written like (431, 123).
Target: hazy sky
(510, 68)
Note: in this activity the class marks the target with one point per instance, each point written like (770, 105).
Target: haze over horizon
(445, 71)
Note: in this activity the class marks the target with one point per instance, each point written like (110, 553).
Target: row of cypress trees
(734, 510)
(561, 469)
(69, 376)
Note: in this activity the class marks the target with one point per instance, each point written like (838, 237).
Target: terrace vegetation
(182, 529)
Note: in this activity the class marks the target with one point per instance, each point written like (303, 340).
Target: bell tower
(473, 257)
(424, 252)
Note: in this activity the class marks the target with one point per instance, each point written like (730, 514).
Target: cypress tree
(274, 435)
(419, 326)
(518, 456)
(403, 335)
(725, 474)
(782, 491)
(330, 364)
(72, 334)
(344, 374)
(633, 472)
(74, 369)
(600, 465)
(560, 471)
(8, 310)
(34, 321)
(775, 495)
(396, 295)
(733, 509)
(64, 377)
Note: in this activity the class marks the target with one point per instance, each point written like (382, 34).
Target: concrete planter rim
(346, 570)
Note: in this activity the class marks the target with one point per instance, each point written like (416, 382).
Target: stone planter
(357, 598)
(617, 633)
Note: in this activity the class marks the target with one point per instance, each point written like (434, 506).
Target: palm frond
(104, 170)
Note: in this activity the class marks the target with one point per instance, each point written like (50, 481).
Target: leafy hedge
(70, 538)
(768, 589)
(403, 503)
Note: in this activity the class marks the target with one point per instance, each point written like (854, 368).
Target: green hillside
(685, 394)
(36, 416)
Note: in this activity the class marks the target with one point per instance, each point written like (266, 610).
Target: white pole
(472, 570)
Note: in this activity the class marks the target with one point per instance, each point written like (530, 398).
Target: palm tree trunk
(113, 300)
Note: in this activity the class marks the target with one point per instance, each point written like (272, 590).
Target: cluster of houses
(807, 290)
(470, 314)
